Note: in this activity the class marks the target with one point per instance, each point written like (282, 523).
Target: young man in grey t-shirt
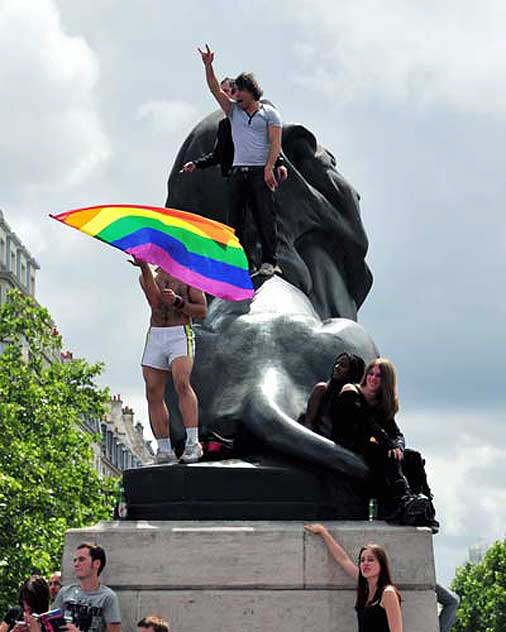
(256, 133)
(92, 606)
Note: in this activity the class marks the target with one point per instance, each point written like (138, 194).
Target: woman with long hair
(367, 425)
(323, 400)
(366, 415)
(378, 602)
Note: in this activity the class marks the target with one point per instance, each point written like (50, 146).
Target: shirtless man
(170, 347)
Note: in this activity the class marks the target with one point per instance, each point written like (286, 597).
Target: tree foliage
(47, 480)
(482, 590)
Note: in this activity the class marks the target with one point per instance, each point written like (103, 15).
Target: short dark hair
(225, 79)
(156, 623)
(96, 553)
(247, 81)
(35, 591)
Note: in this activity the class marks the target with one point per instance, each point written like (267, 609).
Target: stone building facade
(121, 445)
(17, 266)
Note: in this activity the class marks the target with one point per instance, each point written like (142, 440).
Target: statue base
(222, 576)
(263, 488)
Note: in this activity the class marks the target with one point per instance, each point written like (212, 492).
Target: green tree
(47, 480)
(482, 590)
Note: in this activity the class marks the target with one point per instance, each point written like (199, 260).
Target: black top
(357, 421)
(223, 151)
(372, 618)
(324, 417)
(12, 615)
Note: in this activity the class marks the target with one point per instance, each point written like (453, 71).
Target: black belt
(251, 169)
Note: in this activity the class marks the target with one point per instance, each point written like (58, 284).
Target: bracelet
(179, 302)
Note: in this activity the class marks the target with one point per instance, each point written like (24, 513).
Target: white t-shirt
(251, 134)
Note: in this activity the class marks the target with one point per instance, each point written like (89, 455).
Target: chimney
(128, 416)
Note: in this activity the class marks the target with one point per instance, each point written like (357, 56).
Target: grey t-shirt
(251, 134)
(90, 611)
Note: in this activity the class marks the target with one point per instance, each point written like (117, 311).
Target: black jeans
(249, 187)
(386, 472)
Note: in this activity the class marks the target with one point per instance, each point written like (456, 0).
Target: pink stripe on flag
(155, 255)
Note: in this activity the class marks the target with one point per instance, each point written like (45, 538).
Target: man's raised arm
(151, 290)
(207, 58)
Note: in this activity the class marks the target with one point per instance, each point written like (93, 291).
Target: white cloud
(462, 500)
(168, 117)
(466, 468)
(404, 52)
(52, 134)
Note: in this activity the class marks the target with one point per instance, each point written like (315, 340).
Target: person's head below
(54, 584)
(380, 378)
(373, 567)
(89, 561)
(228, 86)
(247, 90)
(153, 623)
(347, 367)
(34, 595)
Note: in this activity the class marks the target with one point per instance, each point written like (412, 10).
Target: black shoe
(420, 512)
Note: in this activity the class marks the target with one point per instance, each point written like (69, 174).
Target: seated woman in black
(322, 403)
(365, 424)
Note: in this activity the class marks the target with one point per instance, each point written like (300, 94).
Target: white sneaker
(192, 453)
(166, 458)
(266, 269)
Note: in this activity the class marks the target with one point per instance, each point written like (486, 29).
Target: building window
(23, 274)
(103, 430)
(13, 262)
(109, 445)
(2, 251)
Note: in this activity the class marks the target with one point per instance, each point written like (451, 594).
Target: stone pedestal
(253, 576)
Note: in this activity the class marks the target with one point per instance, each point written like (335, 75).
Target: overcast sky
(410, 97)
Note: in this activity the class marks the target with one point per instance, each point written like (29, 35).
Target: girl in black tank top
(372, 618)
(378, 603)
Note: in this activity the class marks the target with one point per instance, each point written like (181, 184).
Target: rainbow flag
(198, 251)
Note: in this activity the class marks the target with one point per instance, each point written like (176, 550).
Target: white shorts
(165, 344)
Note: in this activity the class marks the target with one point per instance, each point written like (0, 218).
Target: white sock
(192, 435)
(164, 445)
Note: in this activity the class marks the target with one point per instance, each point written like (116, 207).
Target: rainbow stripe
(198, 251)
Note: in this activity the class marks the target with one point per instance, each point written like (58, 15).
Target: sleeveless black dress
(372, 618)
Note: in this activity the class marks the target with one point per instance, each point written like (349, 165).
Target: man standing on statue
(170, 348)
(256, 134)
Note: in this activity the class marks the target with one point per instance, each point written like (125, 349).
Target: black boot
(401, 495)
